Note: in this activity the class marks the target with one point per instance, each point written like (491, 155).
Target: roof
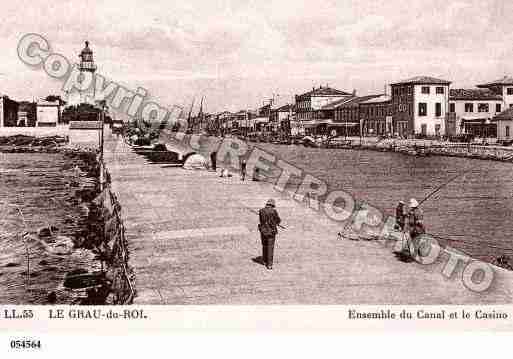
(378, 99)
(423, 80)
(473, 94)
(325, 91)
(505, 115)
(336, 104)
(353, 101)
(284, 108)
(506, 80)
(85, 125)
(48, 103)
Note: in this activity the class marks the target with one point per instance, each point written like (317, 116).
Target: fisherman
(269, 221)
(243, 166)
(415, 221)
(213, 159)
(400, 216)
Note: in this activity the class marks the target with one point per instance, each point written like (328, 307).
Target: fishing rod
(436, 190)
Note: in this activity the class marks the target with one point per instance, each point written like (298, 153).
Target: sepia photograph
(339, 163)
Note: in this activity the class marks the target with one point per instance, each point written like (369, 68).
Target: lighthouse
(87, 65)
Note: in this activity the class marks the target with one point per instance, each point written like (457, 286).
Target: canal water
(473, 214)
(38, 190)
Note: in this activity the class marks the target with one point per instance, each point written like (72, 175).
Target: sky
(238, 54)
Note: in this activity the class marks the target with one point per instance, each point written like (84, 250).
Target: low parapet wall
(59, 130)
(113, 248)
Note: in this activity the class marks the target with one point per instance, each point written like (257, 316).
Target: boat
(308, 141)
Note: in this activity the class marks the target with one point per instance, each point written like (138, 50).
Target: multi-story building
(502, 87)
(8, 112)
(347, 119)
(471, 112)
(376, 114)
(281, 117)
(309, 107)
(420, 105)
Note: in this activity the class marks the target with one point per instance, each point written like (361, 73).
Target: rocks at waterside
(24, 143)
(47, 231)
(24, 140)
(11, 265)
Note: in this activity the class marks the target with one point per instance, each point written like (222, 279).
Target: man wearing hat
(269, 221)
(415, 219)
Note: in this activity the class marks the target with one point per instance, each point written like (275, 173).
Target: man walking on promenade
(213, 159)
(269, 221)
(243, 170)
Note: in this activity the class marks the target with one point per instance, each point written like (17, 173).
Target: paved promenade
(192, 237)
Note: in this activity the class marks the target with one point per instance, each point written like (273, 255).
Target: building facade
(27, 114)
(502, 87)
(48, 113)
(471, 112)
(504, 125)
(311, 107)
(281, 118)
(420, 105)
(376, 114)
(8, 112)
(347, 119)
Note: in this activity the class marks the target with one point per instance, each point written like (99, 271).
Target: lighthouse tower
(87, 65)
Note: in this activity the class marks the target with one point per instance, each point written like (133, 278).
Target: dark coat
(400, 215)
(416, 222)
(269, 221)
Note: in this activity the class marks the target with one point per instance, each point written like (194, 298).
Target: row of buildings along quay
(418, 107)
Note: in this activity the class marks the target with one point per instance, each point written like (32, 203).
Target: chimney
(354, 92)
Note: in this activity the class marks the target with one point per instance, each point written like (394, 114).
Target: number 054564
(25, 344)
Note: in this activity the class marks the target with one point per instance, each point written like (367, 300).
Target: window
(507, 131)
(469, 107)
(483, 107)
(438, 109)
(498, 107)
(510, 91)
(452, 107)
(422, 109)
(423, 129)
(410, 89)
(440, 90)
(425, 90)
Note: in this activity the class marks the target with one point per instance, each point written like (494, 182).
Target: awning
(309, 124)
(324, 122)
(260, 119)
(344, 124)
(475, 121)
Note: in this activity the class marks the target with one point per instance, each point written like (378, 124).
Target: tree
(53, 98)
